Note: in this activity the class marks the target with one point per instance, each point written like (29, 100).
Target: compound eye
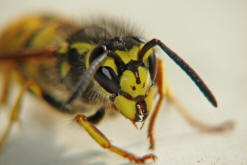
(152, 66)
(107, 78)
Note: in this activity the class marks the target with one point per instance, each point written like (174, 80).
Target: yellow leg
(228, 125)
(15, 111)
(165, 92)
(5, 87)
(161, 84)
(105, 143)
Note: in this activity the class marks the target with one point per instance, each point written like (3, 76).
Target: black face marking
(133, 88)
(138, 81)
(121, 66)
(107, 78)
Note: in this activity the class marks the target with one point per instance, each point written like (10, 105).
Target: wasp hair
(86, 77)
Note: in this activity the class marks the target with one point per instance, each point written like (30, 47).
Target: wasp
(96, 66)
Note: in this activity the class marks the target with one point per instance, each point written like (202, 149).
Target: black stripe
(29, 41)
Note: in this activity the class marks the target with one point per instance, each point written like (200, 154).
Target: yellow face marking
(128, 107)
(147, 54)
(125, 106)
(128, 82)
(82, 47)
(127, 56)
(110, 63)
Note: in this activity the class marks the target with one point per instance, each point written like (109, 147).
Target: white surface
(210, 35)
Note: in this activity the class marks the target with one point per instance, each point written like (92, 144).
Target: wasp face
(135, 96)
(129, 77)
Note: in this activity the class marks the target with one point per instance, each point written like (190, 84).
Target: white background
(210, 35)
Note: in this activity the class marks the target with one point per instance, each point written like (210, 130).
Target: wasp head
(129, 76)
(125, 72)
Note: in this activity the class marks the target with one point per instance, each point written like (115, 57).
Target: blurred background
(210, 35)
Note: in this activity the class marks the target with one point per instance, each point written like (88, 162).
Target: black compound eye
(107, 78)
(152, 66)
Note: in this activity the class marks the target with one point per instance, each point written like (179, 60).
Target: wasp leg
(162, 92)
(97, 117)
(105, 143)
(227, 125)
(15, 111)
(165, 92)
(5, 87)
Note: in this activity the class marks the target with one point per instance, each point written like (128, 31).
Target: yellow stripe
(110, 63)
(45, 36)
(64, 69)
(82, 47)
(17, 34)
